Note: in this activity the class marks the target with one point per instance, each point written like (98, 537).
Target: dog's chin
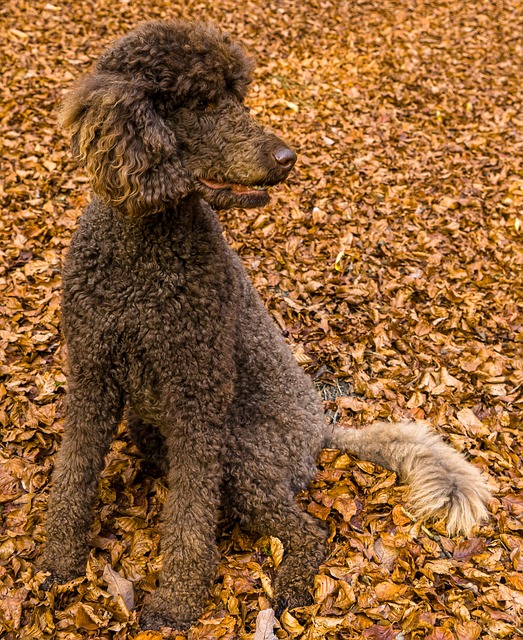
(228, 196)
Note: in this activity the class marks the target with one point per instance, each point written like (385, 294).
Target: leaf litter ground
(391, 260)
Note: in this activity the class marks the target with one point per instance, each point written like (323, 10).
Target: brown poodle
(160, 317)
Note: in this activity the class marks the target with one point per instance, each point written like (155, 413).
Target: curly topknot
(180, 60)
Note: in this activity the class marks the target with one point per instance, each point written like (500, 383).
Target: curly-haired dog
(159, 316)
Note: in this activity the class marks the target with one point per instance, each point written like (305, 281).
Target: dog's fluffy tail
(442, 481)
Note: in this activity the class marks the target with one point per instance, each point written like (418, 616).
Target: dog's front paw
(64, 561)
(292, 600)
(292, 594)
(59, 572)
(292, 584)
(157, 621)
(48, 583)
(295, 577)
(58, 578)
(159, 612)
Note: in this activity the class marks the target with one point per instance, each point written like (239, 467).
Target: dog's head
(162, 116)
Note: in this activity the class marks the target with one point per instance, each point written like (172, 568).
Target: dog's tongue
(215, 185)
(237, 188)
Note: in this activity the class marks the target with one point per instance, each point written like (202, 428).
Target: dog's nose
(285, 157)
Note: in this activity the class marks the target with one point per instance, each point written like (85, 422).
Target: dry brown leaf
(468, 630)
(469, 420)
(390, 591)
(440, 633)
(324, 585)
(277, 551)
(265, 625)
(346, 506)
(349, 402)
(121, 589)
(378, 632)
(290, 624)
(514, 504)
(149, 635)
(86, 618)
(469, 548)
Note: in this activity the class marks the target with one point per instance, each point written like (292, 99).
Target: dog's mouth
(240, 189)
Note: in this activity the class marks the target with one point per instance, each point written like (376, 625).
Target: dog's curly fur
(160, 317)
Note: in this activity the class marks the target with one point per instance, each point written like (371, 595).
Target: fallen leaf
(469, 548)
(291, 624)
(120, 588)
(264, 625)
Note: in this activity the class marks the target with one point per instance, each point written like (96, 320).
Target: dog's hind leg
(260, 492)
(269, 507)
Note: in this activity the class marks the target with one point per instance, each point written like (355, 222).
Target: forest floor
(391, 259)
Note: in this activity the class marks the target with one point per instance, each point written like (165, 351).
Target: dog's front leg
(189, 528)
(94, 409)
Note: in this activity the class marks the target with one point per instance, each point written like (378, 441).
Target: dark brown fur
(159, 316)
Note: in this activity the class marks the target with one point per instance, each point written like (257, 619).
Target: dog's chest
(165, 305)
(174, 330)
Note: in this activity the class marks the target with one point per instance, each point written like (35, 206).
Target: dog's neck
(184, 230)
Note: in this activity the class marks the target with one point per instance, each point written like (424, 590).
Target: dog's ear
(127, 149)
